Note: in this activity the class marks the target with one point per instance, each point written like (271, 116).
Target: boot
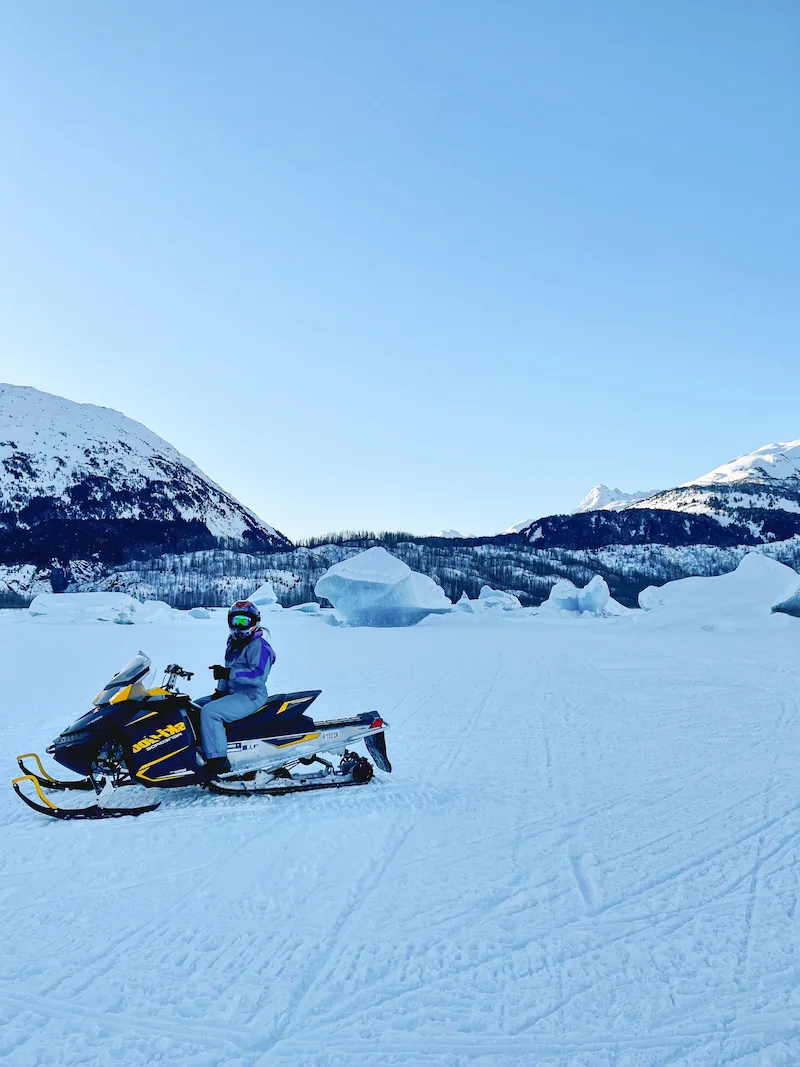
(217, 765)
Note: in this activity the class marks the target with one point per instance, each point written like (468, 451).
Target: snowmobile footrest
(47, 781)
(94, 811)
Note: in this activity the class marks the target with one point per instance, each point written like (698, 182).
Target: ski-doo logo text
(160, 736)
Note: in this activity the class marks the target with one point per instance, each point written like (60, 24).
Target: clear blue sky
(409, 263)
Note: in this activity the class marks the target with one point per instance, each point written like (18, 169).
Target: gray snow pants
(217, 712)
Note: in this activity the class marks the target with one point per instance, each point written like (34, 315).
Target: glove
(220, 673)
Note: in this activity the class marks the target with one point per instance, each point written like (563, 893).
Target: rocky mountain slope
(90, 500)
(752, 500)
(79, 482)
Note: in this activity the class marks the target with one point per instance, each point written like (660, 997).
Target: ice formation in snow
(265, 597)
(593, 599)
(374, 588)
(489, 600)
(789, 603)
(469, 607)
(496, 598)
(100, 607)
(752, 589)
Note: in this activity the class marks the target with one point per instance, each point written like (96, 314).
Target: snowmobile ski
(93, 811)
(45, 780)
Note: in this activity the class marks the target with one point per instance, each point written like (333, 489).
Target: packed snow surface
(588, 855)
(375, 588)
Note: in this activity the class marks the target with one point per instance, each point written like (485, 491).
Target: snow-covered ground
(587, 856)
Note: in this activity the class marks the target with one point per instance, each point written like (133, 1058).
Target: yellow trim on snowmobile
(42, 771)
(122, 695)
(288, 704)
(288, 744)
(164, 777)
(36, 786)
(141, 718)
(159, 692)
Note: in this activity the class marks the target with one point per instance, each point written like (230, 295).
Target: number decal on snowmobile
(164, 734)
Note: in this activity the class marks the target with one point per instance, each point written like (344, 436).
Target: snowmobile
(151, 737)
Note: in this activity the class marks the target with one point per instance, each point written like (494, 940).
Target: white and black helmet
(243, 619)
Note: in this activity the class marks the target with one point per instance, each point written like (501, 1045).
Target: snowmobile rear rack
(93, 811)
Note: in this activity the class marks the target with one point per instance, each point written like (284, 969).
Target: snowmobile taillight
(376, 723)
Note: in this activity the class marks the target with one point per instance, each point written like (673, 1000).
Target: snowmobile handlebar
(173, 671)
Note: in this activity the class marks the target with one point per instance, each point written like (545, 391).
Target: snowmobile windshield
(131, 673)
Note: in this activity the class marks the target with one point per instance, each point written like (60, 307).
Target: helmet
(243, 619)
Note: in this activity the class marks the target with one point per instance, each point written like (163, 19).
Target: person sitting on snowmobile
(241, 683)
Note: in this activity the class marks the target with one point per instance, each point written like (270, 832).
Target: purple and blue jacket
(250, 664)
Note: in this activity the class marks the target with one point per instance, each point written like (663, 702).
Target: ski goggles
(241, 622)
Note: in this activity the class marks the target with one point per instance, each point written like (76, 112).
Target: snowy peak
(601, 498)
(64, 462)
(777, 461)
(518, 527)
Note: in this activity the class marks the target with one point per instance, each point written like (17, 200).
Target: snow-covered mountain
(769, 463)
(80, 482)
(751, 491)
(601, 498)
(518, 527)
(752, 500)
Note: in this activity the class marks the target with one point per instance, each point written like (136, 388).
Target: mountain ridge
(77, 480)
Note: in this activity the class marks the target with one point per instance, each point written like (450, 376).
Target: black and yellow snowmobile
(150, 737)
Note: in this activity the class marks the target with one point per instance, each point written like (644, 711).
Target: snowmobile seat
(264, 724)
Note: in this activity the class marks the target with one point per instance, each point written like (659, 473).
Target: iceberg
(758, 586)
(488, 600)
(469, 607)
(789, 602)
(265, 597)
(497, 599)
(594, 599)
(375, 588)
(100, 607)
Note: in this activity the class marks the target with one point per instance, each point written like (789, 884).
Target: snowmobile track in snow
(587, 856)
